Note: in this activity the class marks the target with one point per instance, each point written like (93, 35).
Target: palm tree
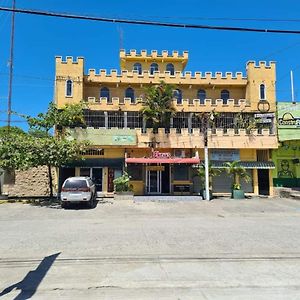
(211, 171)
(237, 172)
(157, 105)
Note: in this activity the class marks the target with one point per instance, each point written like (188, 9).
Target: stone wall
(29, 183)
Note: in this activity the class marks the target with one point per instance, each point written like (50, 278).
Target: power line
(144, 22)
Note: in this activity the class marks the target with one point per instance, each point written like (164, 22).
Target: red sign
(157, 154)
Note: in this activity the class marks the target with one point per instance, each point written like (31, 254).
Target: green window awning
(97, 162)
(246, 164)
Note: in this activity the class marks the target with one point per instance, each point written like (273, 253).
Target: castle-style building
(236, 112)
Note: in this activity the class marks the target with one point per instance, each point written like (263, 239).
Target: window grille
(134, 120)
(180, 120)
(94, 118)
(93, 152)
(115, 119)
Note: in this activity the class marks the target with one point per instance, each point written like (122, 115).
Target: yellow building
(242, 127)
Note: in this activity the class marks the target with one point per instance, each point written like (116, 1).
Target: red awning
(174, 160)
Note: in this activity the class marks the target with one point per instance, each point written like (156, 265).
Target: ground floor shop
(287, 164)
(172, 171)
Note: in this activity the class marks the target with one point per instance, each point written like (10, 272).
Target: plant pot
(237, 194)
(123, 196)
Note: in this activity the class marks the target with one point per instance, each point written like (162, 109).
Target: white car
(78, 189)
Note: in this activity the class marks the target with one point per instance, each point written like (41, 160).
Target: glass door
(153, 182)
(97, 178)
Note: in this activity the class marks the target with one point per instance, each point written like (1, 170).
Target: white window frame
(66, 88)
(265, 92)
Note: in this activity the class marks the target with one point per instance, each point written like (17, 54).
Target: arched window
(262, 92)
(137, 67)
(153, 68)
(104, 92)
(178, 96)
(69, 88)
(129, 93)
(170, 68)
(201, 94)
(224, 96)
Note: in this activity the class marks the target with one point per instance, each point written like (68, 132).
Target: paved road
(223, 249)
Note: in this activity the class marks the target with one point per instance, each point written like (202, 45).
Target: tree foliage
(157, 104)
(237, 172)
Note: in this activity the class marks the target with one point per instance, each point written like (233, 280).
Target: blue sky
(39, 39)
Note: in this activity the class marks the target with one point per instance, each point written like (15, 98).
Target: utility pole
(207, 196)
(11, 60)
(292, 87)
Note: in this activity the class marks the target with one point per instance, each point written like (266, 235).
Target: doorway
(96, 175)
(165, 179)
(263, 181)
(153, 182)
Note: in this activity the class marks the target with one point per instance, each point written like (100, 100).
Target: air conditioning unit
(179, 153)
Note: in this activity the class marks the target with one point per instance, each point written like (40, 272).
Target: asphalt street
(222, 249)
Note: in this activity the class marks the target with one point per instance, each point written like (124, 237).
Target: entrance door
(97, 178)
(153, 182)
(263, 181)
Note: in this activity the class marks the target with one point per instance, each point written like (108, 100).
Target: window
(181, 172)
(115, 119)
(69, 88)
(135, 171)
(137, 67)
(178, 96)
(201, 94)
(153, 68)
(104, 92)
(134, 119)
(224, 96)
(170, 68)
(94, 118)
(262, 92)
(129, 93)
(86, 172)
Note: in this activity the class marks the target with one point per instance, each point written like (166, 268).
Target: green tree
(39, 147)
(211, 171)
(4, 131)
(237, 172)
(157, 105)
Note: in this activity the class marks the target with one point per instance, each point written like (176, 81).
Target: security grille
(134, 120)
(115, 119)
(94, 118)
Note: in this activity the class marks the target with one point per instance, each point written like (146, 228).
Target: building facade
(287, 156)
(235, 111)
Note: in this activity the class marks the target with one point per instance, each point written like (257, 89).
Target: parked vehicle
(78, 189)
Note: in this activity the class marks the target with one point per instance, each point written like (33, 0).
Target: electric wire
(145, 22)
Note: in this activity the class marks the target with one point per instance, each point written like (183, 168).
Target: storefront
(161, 174)
(287, 156)
(102, 170)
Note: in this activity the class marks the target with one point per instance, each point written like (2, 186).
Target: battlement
(261, 64)
(69, 60)
(153, 54)
(105, 76)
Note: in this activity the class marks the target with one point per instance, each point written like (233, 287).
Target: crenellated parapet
(188, 105)
(69, 60)
(125, 76)
(261, 64)
(144, 54)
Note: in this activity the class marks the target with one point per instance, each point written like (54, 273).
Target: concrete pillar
(255, 182)
(106, 119)
(104, 179)
(125, 119)
(190, 122)
(271, 189)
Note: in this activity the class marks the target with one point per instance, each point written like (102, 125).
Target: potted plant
(212, 173)
(237, 172)
(122, 188)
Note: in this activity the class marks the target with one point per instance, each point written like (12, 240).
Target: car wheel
(91, 203)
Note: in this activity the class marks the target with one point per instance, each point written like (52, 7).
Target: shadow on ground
(32, 280)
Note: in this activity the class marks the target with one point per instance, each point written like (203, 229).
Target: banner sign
(264, 118)
(288, 121)
(225, 155)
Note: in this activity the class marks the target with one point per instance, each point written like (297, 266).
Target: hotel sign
(157, 154)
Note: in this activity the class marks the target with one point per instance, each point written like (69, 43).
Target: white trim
(259, 93)
(66, 88)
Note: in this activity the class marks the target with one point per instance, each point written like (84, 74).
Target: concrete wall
(33, 182)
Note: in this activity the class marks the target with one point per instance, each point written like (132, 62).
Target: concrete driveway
(223, 249)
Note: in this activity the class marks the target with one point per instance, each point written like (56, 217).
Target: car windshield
(77, 183)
